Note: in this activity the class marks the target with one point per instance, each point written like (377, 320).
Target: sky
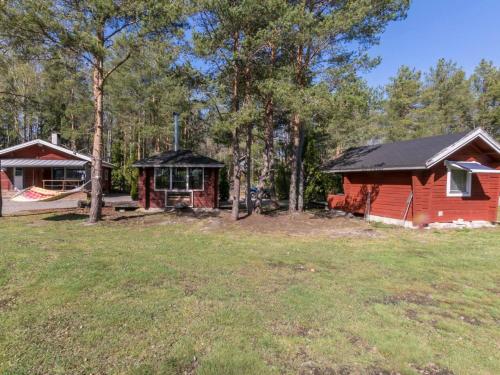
(464, 31)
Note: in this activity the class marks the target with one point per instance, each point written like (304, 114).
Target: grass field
(174, 296)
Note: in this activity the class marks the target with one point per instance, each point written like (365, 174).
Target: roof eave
(411, 168)
(46, 144)
(473, 135)
(182, 165)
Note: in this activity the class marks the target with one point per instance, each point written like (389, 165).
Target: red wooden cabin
(417, 182)
(47, 165)
(178, 178)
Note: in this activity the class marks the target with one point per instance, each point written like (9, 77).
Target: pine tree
(403, 102)
(485, 84)
(326, 33)
(447, 100)
(102, 33)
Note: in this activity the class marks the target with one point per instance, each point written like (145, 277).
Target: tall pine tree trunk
(236, 177)
(300, 171)
(294, 164)
(249, 140)
(267, 173)
(98, 91)
(249, 170)
(235, 193)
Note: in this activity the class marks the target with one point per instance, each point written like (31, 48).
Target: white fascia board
(473, 135)
(456, 165)
(178, 165)
(494, 171)
(374, 169)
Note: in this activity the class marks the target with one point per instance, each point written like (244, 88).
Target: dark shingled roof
(411, 154)
(181, 158)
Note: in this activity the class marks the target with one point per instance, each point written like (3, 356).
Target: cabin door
(18, 178)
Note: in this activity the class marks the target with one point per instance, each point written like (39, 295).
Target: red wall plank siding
(483, 202)
(388, 191)
(208, 197)
(38, 152)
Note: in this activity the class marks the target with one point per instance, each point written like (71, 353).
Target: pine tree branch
(120, 63)
(117, 31)
(19, 96)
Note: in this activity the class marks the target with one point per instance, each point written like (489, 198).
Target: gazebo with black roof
(178, 178)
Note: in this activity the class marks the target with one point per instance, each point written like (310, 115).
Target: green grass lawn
(169, 298)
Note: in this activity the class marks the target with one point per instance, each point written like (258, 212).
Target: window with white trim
(162, 178)
(179, 178)
(458, 182)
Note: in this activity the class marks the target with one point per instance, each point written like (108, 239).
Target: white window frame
(65, 174)
(187, 180)
(202, 179)
(468, 183)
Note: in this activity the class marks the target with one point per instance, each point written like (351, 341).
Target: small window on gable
(458, 182)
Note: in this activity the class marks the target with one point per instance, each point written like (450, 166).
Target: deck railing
(62, 184)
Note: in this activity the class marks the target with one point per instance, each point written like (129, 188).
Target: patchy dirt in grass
(291, 267)
(372, 370)
(311, 368)
(7, 302)
(433, 369)
(446, 287)
(292, 329)
(314, 223)
(470, 320)
(190, 369)
(408, 297)
(413, 315)
(310, 223)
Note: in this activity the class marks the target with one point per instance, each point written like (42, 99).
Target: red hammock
(36, 194)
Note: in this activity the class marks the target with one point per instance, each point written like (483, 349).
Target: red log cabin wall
(38, 152)
(150, 198)
(431, 203)
(389, 192)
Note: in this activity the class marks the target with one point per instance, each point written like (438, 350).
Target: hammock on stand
(36, 194)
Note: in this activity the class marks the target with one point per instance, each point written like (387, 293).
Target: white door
(18, 178)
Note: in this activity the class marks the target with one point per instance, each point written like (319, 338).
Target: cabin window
(162, 178)
(179, 178)
(58, 173)
(458, 182)
(75, 174)
(196, 178)
(68, 174)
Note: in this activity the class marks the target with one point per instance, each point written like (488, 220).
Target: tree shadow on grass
(67, 217)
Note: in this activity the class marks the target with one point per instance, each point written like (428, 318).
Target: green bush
(134, 185)
(282, 181)
(224, 184)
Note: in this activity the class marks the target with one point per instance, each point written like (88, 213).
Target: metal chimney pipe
(55, 138)
(176, 131)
